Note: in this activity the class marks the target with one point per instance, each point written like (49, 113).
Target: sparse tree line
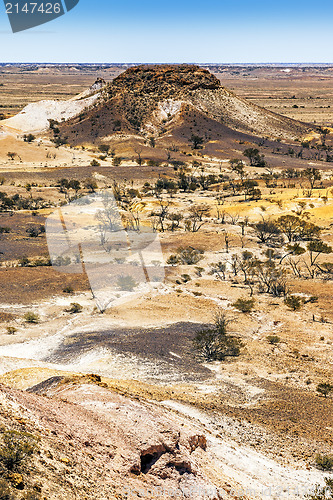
(17, 202)
(301, 256)
(306, 149)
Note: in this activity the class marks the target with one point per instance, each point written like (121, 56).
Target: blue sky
(177, 31)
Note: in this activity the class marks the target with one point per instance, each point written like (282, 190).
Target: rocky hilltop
(159, 100)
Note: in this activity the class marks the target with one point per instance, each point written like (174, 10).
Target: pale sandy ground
(259, 476)
(35, 117)
(31, 345)
(244, 466)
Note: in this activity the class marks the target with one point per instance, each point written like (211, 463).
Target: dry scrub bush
(324, 388)
(244, 305)
(31, 317)
(324, 462)
(215, 344)
(16, 448)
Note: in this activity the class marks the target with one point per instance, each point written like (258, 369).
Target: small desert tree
(104, 148)
(215, 344)
(238, 167)
(186, 256)
(195, 220)
(317, 248)
(116, 161)
(11, 155)
(95, 163)
(91, 185)
(324, 388)
(290, 226)
(196, 141)
(138, 151)
(256, 159)
(29, 137)
(312, 175)
(267, 232)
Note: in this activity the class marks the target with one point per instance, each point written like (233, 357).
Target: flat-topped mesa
(165, 79)
(167, 101)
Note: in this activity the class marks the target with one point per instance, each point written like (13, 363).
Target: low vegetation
(273, 339)
(186, 256)
(324, 462)
(74, 308)
(126, 283)
(324, 388)
(244, 305)
(215, 343)
(16, 447)
(31, 317)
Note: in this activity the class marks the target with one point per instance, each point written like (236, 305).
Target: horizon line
(169, 63)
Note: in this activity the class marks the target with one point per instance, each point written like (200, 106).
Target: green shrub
(91, 185)
(61, 261)
(294, 302)
(324, 388)
(186, 256)
(74, 308)
(186, 278)
(31, 317)
(104, 148)
(41, 262)
(244, 305)
(16, 447)
(273, 339)
(116, 161)
(199, 271)
(11, 330)
(215, 344)
(34, 231)
(172, 260)
(324, 462)
(24, 262)
(29, 137)
(126, 283)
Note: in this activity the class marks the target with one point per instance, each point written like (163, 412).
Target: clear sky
(221, 31)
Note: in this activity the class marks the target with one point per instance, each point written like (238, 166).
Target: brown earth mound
(154, 100)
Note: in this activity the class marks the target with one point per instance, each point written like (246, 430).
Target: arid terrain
(207, 373)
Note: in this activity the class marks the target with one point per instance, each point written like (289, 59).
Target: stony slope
(95, 443)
